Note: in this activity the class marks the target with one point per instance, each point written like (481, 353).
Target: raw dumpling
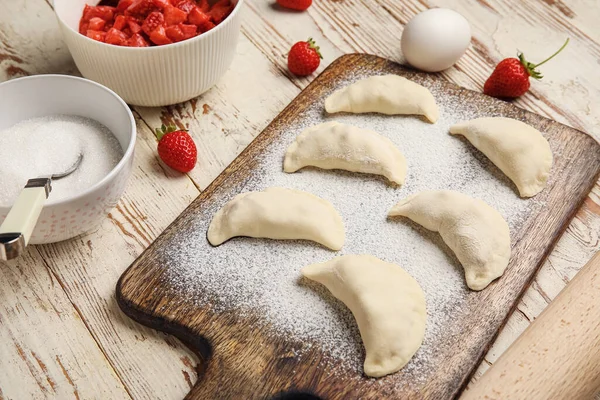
(338, 146)
(519, 150)
(475, 232)
(388, 304)
(278, 213)
(387, 94)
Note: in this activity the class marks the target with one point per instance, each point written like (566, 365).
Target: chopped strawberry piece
(140, 8)
(96, 24)
(197, 17)
(96, 35)
(200, 19)
(123, 5)
(189, 31)
(175, 33)
(137, 18)
(174, 16)
(134, 27)
(159, 36)
(180, 32)
(137, 40)
(220, 11)
(204, 5)
(162, 4)
(104, 12)
(206, 27)
(87, 11)
(120, 22)
(152, 21)
(83, 27)
(115, 36)
(185, 5)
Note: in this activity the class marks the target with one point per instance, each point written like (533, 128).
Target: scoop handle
(558, 355)
(18, 226)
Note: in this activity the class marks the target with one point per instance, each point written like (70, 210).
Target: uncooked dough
(386, 94)
(519, 150)
(388, 304)
(278, 213)
(476, 233)
(333, 145)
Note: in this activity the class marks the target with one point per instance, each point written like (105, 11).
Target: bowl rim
(235, 11)
(127, 154)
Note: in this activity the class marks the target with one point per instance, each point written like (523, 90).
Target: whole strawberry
(299, 5)
(176, 148)
(304, 58)
(510, 78)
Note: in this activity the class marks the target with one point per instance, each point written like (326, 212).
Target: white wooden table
(61, 332)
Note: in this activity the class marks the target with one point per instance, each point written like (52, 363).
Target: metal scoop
(17, 228)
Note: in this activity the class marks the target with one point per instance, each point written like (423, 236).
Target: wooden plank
(236, 341)
(30, 41)
(34, 361)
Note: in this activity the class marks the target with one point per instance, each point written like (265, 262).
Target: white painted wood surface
(61, 332)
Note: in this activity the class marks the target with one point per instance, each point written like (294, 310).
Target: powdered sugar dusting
(261, 277)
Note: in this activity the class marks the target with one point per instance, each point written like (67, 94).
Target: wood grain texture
(558, 356)
(27, 322)
(31, 45)
(233, 343)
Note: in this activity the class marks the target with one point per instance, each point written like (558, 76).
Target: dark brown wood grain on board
(238, 360)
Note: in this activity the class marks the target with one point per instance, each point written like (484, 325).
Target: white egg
(435, 39)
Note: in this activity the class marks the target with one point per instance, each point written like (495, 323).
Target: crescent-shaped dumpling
(519, 150)
(386, 94)
(387, 303)
(278, 213)
(475, 232)
(332, 145)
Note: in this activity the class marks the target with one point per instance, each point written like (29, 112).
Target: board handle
(241, 368)
(558, 355)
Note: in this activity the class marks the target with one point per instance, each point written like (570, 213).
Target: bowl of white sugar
(46, 122)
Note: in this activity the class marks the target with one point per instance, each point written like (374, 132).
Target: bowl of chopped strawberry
(151, 52)
(144, 23)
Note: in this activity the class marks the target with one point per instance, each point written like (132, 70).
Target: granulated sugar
(261, 277)
(48, 145)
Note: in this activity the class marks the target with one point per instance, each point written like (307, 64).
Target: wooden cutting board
(242, 357)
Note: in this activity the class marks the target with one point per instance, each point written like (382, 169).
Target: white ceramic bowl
(152, 76)
(42, 95)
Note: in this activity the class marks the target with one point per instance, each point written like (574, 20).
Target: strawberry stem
(552, 56)
(313, 45)
(163, 130)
